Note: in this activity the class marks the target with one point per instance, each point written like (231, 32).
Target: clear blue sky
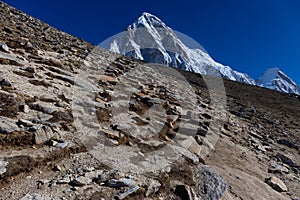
(250, 36)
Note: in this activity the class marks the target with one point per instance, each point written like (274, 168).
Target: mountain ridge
(275, 79)
(151, 40)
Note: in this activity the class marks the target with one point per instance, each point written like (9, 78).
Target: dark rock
(28, 69)
(24, 108)
(288, 143)
(40, 108)
(213, 185)
(25, 123)
(5, 82)
(285, 159)
(7, 30)
(183, 191)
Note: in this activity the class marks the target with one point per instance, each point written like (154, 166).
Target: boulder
(43, 134)
(4, 47)
(276, 184)
(212, 185)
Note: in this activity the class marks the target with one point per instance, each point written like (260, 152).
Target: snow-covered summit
(275, 79)
(151, 40)
(147, 19)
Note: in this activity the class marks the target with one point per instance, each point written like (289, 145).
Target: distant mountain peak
(151, 40)
(275, 79)
(148, 20)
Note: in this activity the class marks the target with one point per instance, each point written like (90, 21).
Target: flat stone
(81, 181)
(64, 180)
(41, 108)
(191, 145)
(123, 182)
(25, 122)
(108, 79)
(127, 193)
(8, 125)
(276, 184)
(254, 134)
(187, 154)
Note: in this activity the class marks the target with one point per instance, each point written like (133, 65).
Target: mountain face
(151, 40)
(275, 79)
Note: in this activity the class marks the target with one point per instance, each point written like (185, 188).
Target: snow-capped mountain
(275, 79)
(151, 40)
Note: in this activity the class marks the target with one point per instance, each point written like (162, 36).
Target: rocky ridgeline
(65, 132)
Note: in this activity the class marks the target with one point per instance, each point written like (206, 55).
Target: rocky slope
(79, 122)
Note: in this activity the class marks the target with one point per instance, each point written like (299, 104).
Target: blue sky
(249, 36)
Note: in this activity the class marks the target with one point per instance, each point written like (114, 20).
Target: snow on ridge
(151, 40)
(275, 79)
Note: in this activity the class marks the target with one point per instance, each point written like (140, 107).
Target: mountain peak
(269, 75)
(151, 40)
(148, 20)
(274, 78)
(147, 15)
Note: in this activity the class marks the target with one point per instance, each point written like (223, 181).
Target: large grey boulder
(212, 186)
